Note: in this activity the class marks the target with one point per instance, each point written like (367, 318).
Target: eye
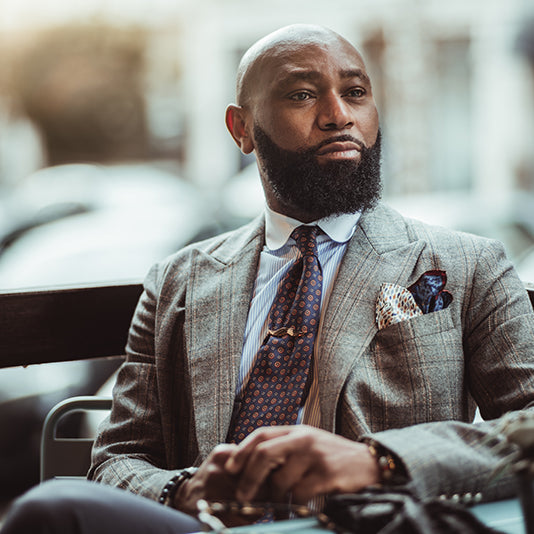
(300, 96)
(357, 92)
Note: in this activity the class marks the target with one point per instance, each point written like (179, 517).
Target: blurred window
(450, 116)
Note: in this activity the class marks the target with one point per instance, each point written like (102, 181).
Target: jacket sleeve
(129, 451)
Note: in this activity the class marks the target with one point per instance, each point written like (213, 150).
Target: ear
(236, 122)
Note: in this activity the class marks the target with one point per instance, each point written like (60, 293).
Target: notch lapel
(219, 293)
(378, 252)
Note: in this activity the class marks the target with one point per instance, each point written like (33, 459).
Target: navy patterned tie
(278, 380)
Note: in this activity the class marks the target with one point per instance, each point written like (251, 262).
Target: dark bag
(398, 511)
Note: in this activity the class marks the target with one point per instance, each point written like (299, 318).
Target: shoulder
(385, 223)
(479, 273)
(224, 248)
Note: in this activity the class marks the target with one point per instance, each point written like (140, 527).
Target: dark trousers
(82, 507)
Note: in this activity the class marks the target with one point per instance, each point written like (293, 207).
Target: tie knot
(306, 238)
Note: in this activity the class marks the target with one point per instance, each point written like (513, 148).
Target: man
(382, 401)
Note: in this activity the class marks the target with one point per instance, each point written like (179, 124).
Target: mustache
(335, 139)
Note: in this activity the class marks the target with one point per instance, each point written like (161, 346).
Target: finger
(242, 452)
(287, 476)
(209, 482)
(220, 454)
(256, 473)
(263, 459)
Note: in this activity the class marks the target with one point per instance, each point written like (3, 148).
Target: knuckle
(305, 442)
(262, 433)
(262, 453)
(220, 453)
(221, 448)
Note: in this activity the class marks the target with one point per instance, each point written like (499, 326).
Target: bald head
(282, 42)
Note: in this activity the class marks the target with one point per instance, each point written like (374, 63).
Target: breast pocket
(413, 372)
(430, 325)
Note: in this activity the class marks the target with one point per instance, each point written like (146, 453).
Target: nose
(334, 113)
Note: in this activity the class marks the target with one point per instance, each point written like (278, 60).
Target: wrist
(174, 484)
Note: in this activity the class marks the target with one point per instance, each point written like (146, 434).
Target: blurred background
(114, 153)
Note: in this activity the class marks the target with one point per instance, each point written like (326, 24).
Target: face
(308, 95)
(305, 95)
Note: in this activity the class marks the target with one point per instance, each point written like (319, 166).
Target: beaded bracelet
(386, 461)
(174, 483)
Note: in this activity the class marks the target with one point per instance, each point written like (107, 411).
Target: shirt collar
(278, 227)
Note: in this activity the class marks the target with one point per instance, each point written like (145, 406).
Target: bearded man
(328, 346)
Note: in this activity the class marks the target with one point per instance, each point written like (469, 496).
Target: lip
(340, 149)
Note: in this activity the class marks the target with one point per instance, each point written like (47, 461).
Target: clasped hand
(275, 461)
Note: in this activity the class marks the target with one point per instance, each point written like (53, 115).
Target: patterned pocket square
(429, 292)
(396, 303)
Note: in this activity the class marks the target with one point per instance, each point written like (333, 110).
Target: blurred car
(74, 224)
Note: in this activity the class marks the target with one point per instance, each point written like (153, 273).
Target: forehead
(313, 62)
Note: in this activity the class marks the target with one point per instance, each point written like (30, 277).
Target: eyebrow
(312, 75)
(355, 73)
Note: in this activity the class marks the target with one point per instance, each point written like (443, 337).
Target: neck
(290, 211)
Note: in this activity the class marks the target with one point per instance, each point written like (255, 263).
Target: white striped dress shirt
(277, 257)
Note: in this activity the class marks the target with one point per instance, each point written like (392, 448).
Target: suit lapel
(378, 252)
(219, 294)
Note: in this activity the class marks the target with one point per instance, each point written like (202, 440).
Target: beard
(298, 181)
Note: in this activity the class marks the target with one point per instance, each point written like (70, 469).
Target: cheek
(369, 126)
(290, 131)
(289, 136)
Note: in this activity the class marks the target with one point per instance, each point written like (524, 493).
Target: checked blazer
(412, 386)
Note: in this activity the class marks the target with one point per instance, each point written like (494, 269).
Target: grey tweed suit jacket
(412, 386)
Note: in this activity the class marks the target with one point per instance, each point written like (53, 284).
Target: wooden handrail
(75, 323)
(65, 324)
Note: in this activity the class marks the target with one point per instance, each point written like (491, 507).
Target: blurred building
(452, 91)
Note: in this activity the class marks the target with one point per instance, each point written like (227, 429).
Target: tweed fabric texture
(278, 381)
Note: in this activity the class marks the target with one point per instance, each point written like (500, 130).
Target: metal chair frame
(67, 457)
